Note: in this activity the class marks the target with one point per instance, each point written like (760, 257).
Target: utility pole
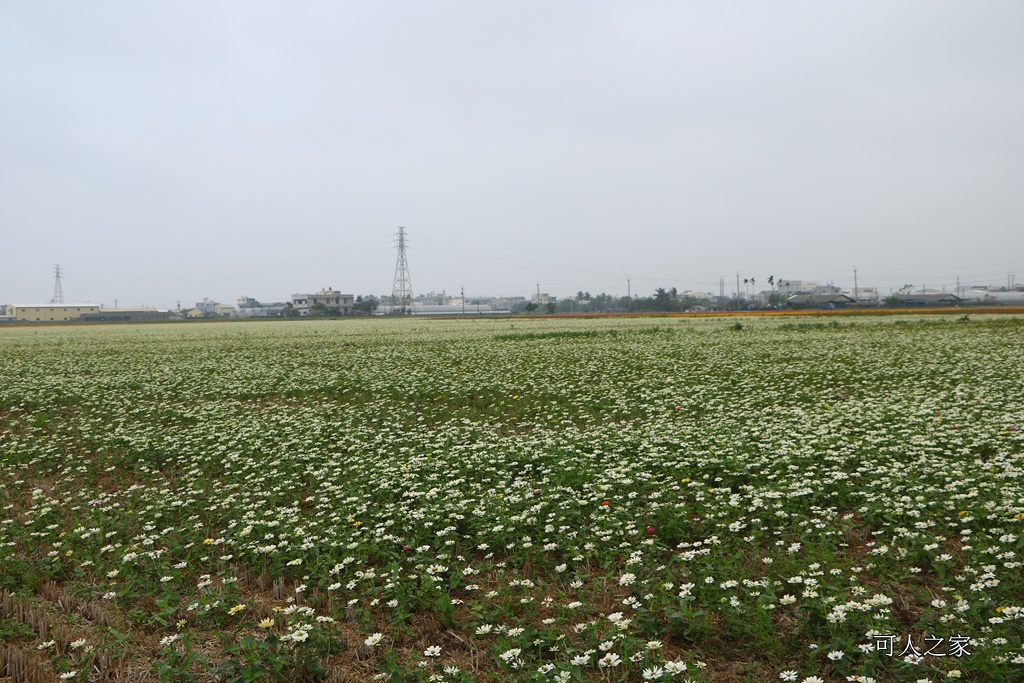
(401, 291)
(958, 285)
(721, 290)
(463, 300)
(115, 303)
(856, 290)
(58, 290)
(737, 290)
(629, 296)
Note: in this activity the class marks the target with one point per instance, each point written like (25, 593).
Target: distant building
(128, 315)
(446, 309)
(927, 299)
(433, 298)
(542, 299)
(986, 296)
(211, 309)
(797, 286)
(865, 294)
(331, 299)
(819, 301)
(251, 308)
(48, 312)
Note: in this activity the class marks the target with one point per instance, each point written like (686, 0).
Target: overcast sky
(170, 151)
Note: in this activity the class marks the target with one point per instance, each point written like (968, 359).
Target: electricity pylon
(58, 291)
(401, 291)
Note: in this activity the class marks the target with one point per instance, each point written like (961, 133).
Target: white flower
(75, 644)
(580, 660)
(511, 655)
(789, 675)
(674, 668)
(70, 674)
(610, 659)
(627, 579)
(432, 651)
(787, 600)
(374, 639)
(835, 655)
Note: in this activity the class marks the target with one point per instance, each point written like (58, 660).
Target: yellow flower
(267, 623)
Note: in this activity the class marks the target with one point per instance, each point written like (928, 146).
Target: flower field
(714, 500)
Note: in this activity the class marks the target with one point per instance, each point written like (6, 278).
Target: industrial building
(47, 312)
(128, 315)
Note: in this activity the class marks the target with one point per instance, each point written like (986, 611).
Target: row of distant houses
(329, 301)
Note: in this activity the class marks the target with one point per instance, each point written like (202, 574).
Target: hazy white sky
(163, 152)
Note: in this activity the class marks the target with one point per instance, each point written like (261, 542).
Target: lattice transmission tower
(58, 290)
(401, 290)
